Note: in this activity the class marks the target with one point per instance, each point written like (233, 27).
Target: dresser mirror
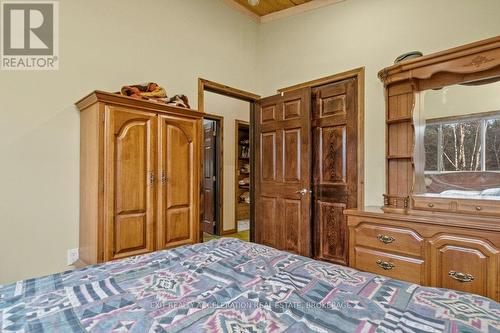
(457, 141)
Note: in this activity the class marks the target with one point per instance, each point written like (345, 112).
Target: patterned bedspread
(228, 285)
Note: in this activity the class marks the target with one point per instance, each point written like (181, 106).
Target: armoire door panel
(282, 133)
(177, 225)
(130, 154)
(291, 155)
(130, 232)
(178, 166)
(131, 167)
(335, 169)
(177, 219)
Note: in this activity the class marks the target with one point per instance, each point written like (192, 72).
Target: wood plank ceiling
(266, 7)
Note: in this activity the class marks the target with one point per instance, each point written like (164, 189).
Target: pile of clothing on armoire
(151, 91)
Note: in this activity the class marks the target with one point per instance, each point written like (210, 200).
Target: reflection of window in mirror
(462, 140)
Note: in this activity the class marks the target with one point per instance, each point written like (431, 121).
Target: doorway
(242, 174)
(213, 169)
(233, 108)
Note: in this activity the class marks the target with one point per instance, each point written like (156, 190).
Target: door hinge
(163, 178)
(214, 178)
(151, 178)
(214, 133)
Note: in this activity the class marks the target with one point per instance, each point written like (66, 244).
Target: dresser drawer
(401, 240)
(391, 265)
(433, 204)
(477, 207)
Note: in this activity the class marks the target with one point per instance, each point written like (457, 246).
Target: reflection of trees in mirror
(461, 146)
(465, 145)
(493, 144)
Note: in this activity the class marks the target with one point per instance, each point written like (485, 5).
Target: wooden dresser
(139, 176)
(431, 249)
(424, 233)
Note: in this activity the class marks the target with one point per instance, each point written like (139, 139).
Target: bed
(228, 285)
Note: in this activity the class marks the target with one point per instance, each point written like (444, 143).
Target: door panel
(332, 152)
(178, 218)
(268, 206)
(292, 220)
(282, 135)
(332, 226)
(335, 134)
(268, 156)
(130, 155)
(209, 176)
(291, 154)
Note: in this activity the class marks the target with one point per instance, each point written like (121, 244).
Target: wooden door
(335, 167)
(466, 264)
(282, 177)
(130, 155)
(209, 176)
(179, 188)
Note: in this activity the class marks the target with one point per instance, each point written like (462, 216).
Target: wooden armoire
(139, 176)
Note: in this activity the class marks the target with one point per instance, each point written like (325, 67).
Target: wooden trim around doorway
(206, 85)
(221, 89)
(358, 73)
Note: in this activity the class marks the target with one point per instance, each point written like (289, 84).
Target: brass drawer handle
(385, 265)
(462, 277)
(430, 205)
(386, 239)
(478, 208)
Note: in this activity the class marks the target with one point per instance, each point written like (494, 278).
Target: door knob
(302, 192)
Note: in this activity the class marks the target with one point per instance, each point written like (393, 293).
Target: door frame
(219, 151)
(221, 89)
(359, 74)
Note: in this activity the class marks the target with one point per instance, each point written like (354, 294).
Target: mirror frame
(465, 64)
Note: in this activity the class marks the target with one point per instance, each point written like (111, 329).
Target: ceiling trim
(243, 10)
(315, 4)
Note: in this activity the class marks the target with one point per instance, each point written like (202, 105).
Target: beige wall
(103, 45)
(231, 109)
(368, 33)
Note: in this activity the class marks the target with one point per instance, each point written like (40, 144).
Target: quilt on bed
(228, 285)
